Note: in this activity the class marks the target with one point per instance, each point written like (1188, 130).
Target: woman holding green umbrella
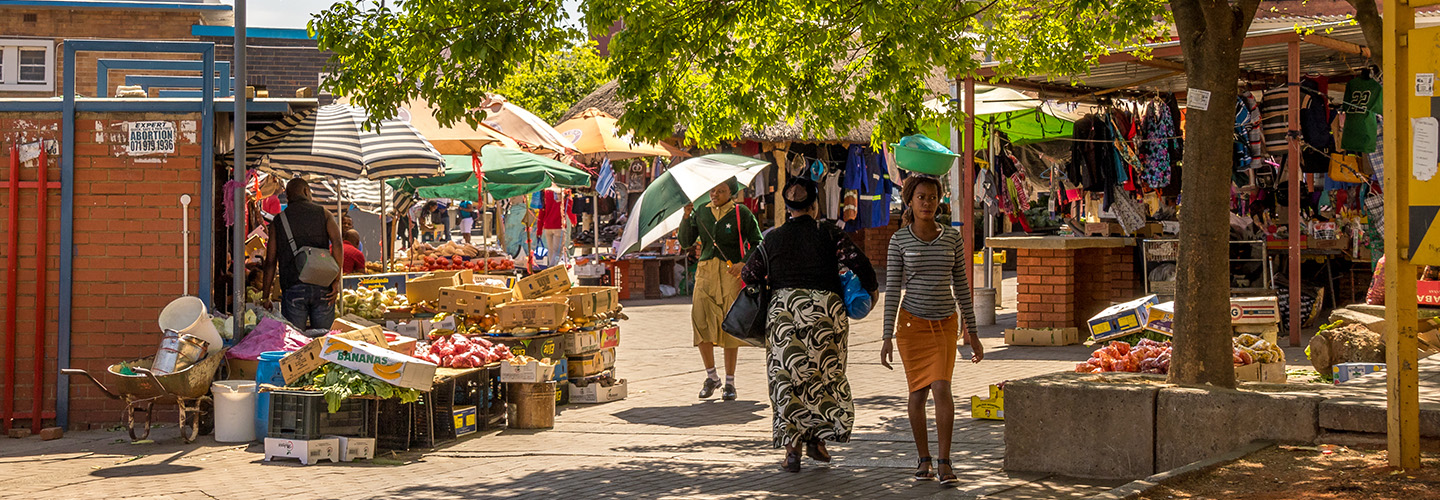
(726, 231)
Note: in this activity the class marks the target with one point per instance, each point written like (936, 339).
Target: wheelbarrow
(188, 388)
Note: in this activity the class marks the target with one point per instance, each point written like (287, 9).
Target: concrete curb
(1137, 487)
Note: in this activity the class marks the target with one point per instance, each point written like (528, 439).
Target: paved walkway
(661, 442)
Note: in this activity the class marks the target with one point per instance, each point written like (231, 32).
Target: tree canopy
(713, 67)
(556, 80)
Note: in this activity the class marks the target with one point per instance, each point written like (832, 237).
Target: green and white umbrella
(660, 208)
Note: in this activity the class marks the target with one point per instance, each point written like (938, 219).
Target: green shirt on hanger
(1362, 103)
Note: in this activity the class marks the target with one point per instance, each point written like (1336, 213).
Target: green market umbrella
(659, 210)
(508, 172)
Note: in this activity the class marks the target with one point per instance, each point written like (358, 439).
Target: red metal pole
(967, 182)
(42, 257)
(1293, 166)
(12, 277)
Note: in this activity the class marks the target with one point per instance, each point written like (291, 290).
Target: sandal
(792, 460)
(923, 472)
(815, 449)
(948, 478)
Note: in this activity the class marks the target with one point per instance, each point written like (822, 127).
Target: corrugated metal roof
(1255, 62)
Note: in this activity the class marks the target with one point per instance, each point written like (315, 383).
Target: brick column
(1046, 292)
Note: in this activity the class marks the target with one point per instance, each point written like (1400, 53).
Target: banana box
(1122, 319)
(992, 408)
(390, 366)
(1162, 319)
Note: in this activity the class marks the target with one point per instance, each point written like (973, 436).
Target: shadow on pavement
(144, 470)
(701, 414)
(672, 479)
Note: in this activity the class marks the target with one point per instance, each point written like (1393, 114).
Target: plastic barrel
(984, 306)
(266, 372)
(234, 408)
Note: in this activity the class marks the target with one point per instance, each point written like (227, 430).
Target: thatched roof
(605, 99)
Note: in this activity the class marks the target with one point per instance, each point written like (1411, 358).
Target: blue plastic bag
(857, 300)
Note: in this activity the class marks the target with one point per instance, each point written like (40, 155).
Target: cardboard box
(596, 393)
(474, 300)
(1162, 319)
(1344, 372)
(352, 448)
(308, 358)
(378, 281)
(1042, 336)
(1122, 319)
(581, 342)
(545, 314)
(562, 391)
(370, 332)
(533, 372)
(991, 408)
(591, 364)
(370, 359)
(610, 337)
(1427, 293)
(403, 345)
(242, 369)
(538, 347)
(308, 451)
(1270, 333)
(444, 326)
(427, 287)
(1261, 372)
(1254, 310)
(415, 328)
(588, 301)
(465, 420)
(551, 281)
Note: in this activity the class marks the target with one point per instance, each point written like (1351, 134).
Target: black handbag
(746, 318)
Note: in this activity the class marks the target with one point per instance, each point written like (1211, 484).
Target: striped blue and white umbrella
(331, 140)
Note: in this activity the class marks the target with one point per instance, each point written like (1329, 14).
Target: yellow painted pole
(1403, 409)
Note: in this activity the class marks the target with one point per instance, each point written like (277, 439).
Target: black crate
(422, 428)
(305, 415)
(491, 409)
(396, 423)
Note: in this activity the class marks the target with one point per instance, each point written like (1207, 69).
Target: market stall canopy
(659, 209)
(509, 172)
(1023, 118)
(458, 169)
(523, 126)
(331, 140)
(596, 135)
(458, 139)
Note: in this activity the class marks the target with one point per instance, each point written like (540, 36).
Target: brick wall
(1046, 287)
(278, 65)
(875, 242)
(127, 263)
(101, 24)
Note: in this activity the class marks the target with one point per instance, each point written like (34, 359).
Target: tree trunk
(1211, 36)
(1367, 15)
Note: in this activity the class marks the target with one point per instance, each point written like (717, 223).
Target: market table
(1063, 281)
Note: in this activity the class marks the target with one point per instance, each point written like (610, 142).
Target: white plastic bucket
(188, 315)
(234, 410)
(984, 306)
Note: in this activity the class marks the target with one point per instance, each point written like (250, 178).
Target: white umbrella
(658, 211)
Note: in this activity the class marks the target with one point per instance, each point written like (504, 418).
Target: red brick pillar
(1046, 292)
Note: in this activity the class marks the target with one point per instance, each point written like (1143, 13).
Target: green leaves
(339, 383)
(712, 68)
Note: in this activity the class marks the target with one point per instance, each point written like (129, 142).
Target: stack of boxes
(1259, 316)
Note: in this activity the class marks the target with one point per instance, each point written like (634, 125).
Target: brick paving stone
(660, 442)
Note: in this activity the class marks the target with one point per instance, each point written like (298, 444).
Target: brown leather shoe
(815, 449)
(792, 460)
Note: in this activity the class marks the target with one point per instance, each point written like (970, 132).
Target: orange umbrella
(457, 139)
(595, 134)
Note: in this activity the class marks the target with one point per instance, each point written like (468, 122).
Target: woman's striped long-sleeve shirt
(932, 276)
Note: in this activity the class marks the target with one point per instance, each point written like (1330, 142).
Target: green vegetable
(338, 383)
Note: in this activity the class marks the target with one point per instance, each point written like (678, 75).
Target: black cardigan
(805, 253)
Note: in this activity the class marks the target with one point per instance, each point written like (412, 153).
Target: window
(27, 65)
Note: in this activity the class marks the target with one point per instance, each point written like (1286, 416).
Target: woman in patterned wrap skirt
(807, 326)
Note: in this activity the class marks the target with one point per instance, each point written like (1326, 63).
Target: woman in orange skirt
(926, 263)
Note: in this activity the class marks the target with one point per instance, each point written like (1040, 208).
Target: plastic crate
(491, 409)
(395, 425)
(305, 415)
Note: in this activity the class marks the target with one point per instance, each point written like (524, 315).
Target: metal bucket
(191, 350)
(167, 359)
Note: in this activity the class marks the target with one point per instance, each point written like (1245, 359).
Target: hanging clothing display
(1091, 156)
(1274, 109)
(1315, 117)
(1362, 103)
(1155, 128)
(832, 195)
(855, 170)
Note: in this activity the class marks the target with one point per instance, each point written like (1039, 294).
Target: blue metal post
(67, 238)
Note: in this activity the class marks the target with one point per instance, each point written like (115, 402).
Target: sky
(295, 13)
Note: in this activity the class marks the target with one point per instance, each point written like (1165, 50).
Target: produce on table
(1251, 348)
(453, 256)
(374, 268)
(372, 304)
(338, 383)
(1148, 356)
(459, 351)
